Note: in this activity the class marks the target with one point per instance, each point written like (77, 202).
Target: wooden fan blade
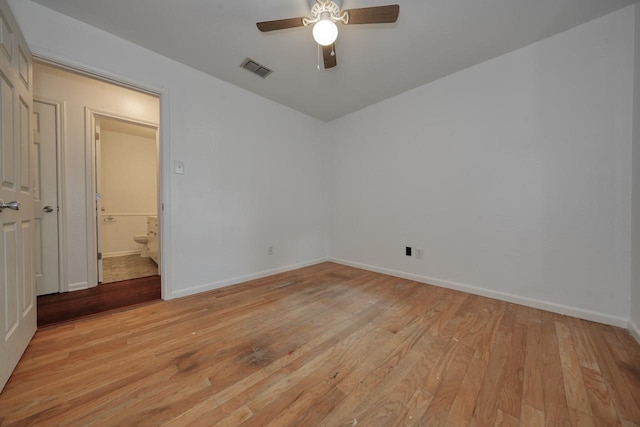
(279, 24)
(329, 59)
(374, 15)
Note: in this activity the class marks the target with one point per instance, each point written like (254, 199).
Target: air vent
(255, 68)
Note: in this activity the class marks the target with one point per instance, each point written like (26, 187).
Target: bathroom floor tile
(127, 267)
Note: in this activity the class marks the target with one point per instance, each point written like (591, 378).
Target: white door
(98, 170)
(17, 235)
(45, 141)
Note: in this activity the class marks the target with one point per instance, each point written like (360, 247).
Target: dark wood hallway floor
(56, 308)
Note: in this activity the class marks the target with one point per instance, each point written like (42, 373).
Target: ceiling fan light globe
(325, 32)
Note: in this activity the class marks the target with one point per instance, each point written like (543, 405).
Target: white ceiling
(431, 39)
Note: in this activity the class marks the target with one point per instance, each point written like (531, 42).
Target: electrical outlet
(419, 253)
(270, 250)
(407, 250)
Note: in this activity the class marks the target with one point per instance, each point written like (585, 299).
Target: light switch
(178, 167)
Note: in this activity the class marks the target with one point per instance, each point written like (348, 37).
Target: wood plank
(628, 366)
(623, 398)
(327, 345)
(584, 346)
(387, 401)
(556, 410)
(381, 396)
(531, 417)
(486, 407)
(512, 384)
(462, 408)
(506, 420)
(577, 398)
(532, 387)
(452, 377)
(364, 384)
(604, 412)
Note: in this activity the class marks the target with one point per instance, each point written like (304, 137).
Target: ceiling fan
(324, 16)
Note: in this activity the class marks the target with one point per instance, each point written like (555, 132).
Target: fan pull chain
(318, 57)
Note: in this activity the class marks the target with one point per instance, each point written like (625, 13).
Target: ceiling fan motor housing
(314, 2)
(326, 9)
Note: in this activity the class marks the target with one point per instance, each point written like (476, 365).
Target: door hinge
(99, 256)
(162, 206)
(97, 136)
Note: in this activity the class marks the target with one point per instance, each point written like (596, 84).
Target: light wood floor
(327, 345)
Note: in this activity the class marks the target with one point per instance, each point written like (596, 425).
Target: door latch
(11, 205)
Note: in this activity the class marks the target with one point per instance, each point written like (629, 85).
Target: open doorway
(91, 111)
(127, 205)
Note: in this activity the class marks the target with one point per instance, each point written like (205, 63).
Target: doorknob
(47, 209)
(11, 205)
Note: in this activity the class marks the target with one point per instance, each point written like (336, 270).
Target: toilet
(143, 239)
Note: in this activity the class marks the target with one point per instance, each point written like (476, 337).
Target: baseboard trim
(121, 253)
(634, 330)
(236, 280)
(503, 296)
(77, 286)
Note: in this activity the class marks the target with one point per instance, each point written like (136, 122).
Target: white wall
(635, 247)
(254, 169)
(129, 190)
(513, 176)
(78, 92)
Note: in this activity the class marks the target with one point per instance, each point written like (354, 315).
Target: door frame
(60, 108)
(163, 135)
(92, 156)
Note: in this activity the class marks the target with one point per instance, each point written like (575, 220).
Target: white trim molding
(91, 115)
(60, 109)
(129, 214)
(78, 286)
